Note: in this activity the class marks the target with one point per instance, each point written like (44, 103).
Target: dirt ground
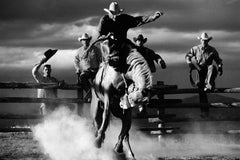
(22, 146)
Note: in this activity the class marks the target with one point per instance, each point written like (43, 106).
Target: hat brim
(113, 13)
(80, 39)
(135, 39)
(206, 39)
(49, 53)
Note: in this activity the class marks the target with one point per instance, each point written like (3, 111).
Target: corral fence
(158, 101)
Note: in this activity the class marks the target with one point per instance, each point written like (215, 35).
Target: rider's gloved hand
(162, 63)
(220, 70)
(157, 14)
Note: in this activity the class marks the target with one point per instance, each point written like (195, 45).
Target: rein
(125, 83)
(96, 41)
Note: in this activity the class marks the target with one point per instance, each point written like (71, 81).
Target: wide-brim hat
(49, 53)
(140, 38)
(85, 36)
(204, 36)
(114, 9)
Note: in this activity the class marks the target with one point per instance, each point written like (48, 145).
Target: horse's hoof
(97, 144)
(130, 156)
(118, 148)
(99, 140)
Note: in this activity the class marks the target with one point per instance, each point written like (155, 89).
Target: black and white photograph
(119, 80)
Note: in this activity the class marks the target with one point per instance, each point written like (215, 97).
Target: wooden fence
(160, 103)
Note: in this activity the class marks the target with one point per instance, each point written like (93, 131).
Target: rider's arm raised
(140, 20)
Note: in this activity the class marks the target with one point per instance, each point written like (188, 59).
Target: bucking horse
(117, 93)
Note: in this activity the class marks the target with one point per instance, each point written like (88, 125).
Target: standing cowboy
(46, 77)
(201, 58)
(118, 24)
(86, 61)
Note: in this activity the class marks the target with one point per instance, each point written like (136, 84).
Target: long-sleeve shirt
(91, 60)
(204, 56)
(122, 23)
(150, 56)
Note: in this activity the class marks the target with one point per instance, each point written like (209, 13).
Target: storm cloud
(28, 28)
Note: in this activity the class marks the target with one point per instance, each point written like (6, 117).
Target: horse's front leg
(119, 146)
(130, 153)
(105, 121)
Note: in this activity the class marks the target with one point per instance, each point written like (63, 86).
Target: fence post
(203, 99)
(160, 112)
(79, 96)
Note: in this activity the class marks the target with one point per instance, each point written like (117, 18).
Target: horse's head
(137, 96)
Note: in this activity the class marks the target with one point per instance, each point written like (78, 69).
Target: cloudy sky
(28, 28)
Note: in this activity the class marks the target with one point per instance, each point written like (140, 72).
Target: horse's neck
(107, 76)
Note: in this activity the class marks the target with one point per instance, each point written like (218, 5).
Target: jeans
(85, 77)
(207, 76)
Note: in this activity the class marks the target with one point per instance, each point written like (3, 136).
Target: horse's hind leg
(105, 122)
(96, 112)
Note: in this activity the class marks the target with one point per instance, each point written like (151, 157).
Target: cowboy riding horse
(117, 93)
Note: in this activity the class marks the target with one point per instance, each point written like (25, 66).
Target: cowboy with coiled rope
(201, 58)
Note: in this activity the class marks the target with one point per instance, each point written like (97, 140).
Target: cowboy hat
(204, 36)
(140, 38)
(49, 53)
(85, 36)
(114, 9)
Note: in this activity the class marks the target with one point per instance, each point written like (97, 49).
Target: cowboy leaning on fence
(201, 58)
(87, 62)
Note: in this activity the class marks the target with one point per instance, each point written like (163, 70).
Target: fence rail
(40, 100)
(14, 85)
(160, 104)
(195, 90)
(196, 105)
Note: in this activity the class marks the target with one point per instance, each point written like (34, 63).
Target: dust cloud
(64, 135)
